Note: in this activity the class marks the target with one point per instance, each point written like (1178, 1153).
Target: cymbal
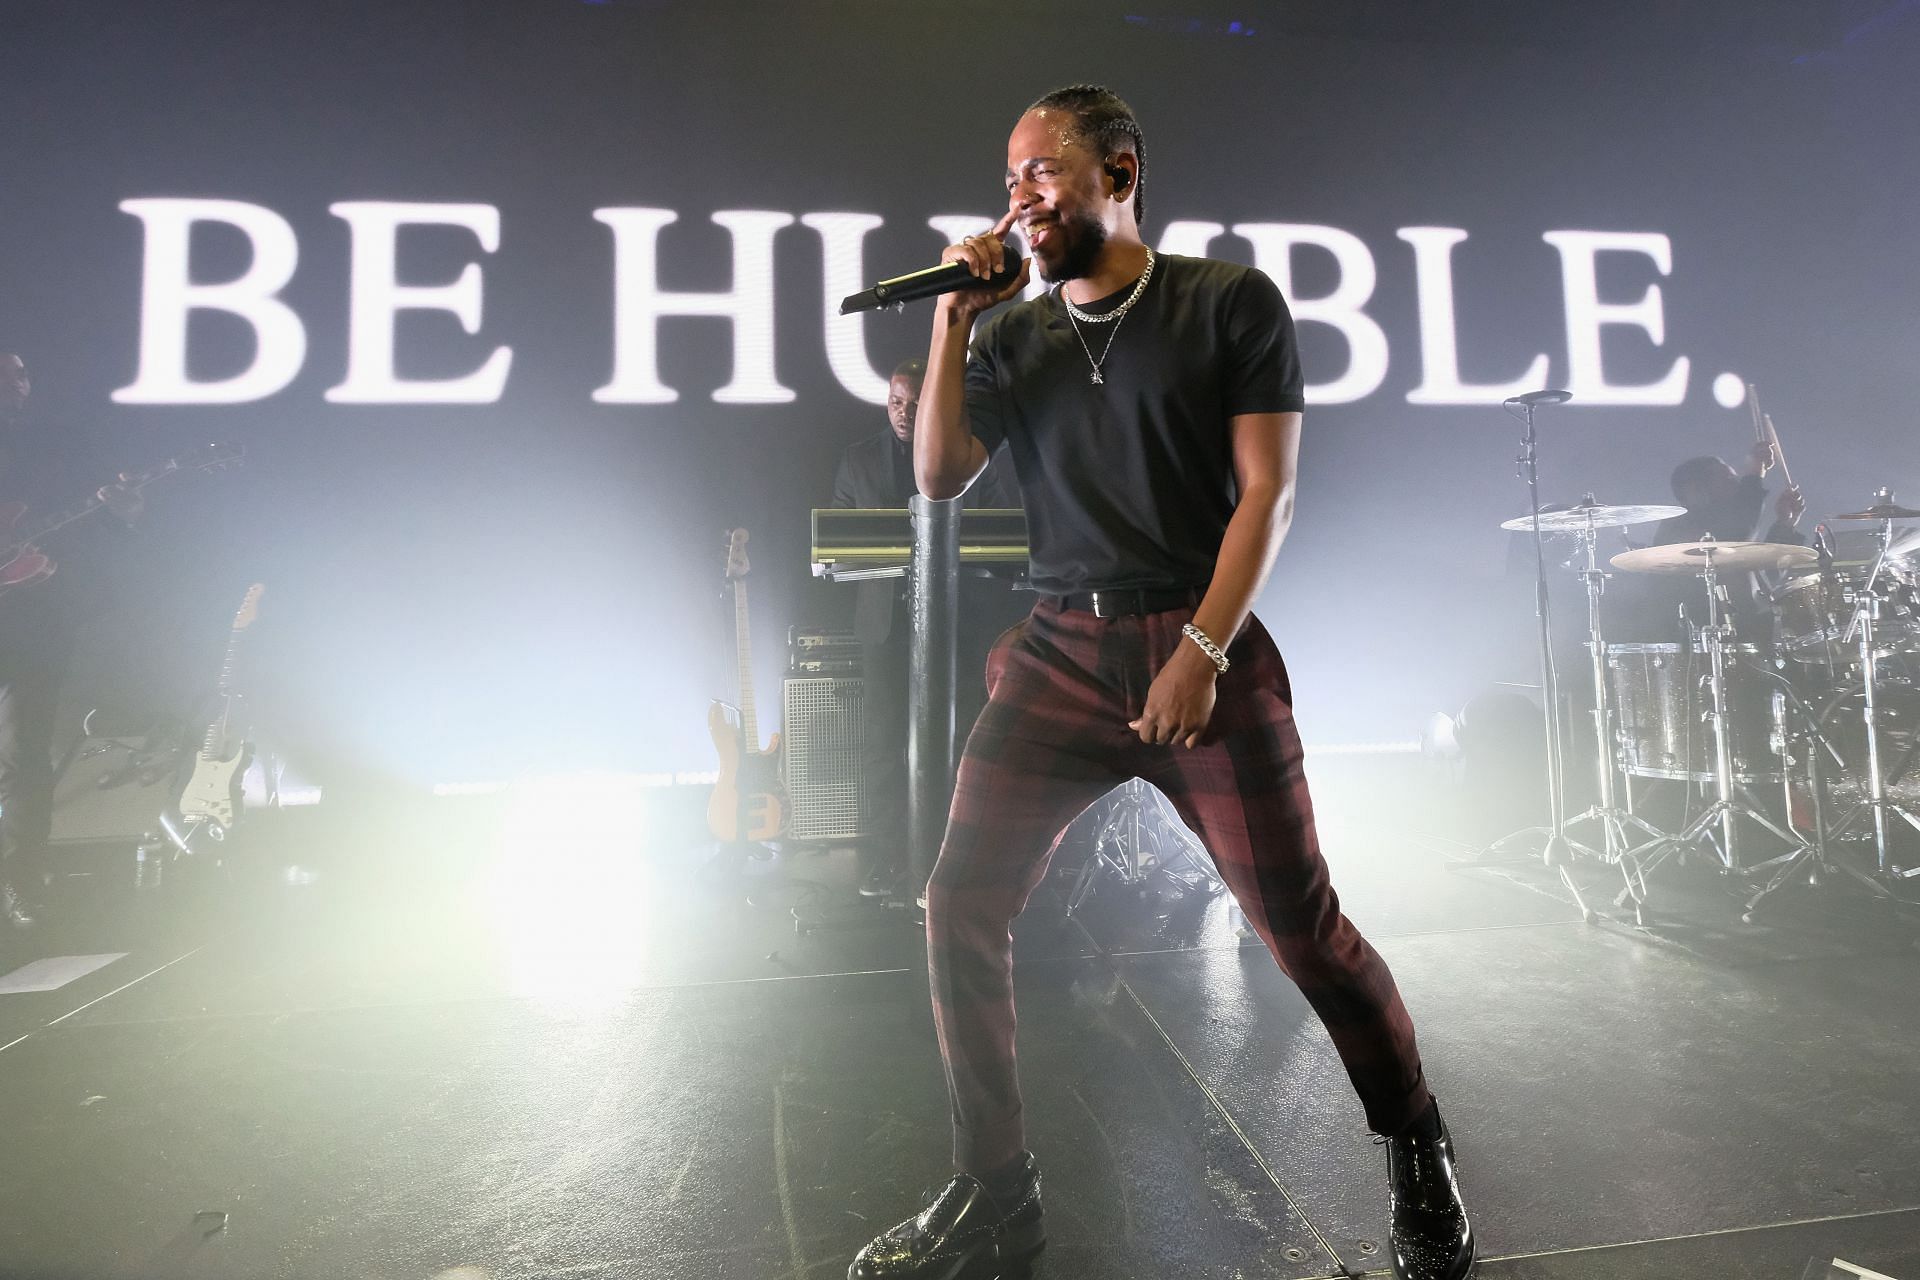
(1592, 516)
(1857, 548)
(1881, 511)
(1728, 557)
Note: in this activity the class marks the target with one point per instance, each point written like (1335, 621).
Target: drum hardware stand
(1866, 612)
(1729, 802)
(1619, 849)
(1558, 851)
(1815, 852)
(1137, 841)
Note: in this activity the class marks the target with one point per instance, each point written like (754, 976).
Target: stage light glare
(567, 885)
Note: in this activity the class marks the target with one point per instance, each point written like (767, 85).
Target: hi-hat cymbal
(1592, 515)
(1727, 557)
(1881, 511)
(1854, 548)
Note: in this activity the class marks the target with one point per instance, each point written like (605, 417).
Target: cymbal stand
(1726, 806)
(1619, 849)
(1818, 748)
(1559, 849)
(1867, 605)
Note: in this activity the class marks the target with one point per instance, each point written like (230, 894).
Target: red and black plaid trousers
(1053, 739)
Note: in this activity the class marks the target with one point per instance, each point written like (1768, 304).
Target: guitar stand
(182, 833)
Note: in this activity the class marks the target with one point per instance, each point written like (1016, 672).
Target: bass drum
(1842, 721)
(1661, 703)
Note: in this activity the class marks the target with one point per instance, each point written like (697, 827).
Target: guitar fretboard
(743, 657)
(214, 745)
(46, 524)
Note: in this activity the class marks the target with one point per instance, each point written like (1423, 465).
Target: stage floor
(536, 1050)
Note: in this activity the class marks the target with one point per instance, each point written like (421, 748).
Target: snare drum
(1661, 702)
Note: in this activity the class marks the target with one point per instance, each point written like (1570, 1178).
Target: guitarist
(43, 468)
(877, 471)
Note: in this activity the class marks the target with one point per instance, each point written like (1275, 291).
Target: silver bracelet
(1207, 646)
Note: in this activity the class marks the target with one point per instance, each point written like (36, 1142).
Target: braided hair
(1105, 123)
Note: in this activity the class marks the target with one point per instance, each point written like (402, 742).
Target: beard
(1081, 237)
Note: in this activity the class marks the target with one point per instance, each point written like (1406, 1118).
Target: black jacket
(877, 472)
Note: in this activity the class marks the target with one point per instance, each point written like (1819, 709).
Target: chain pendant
(1097, 379)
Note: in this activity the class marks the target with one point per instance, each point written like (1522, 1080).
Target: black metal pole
(933, 601)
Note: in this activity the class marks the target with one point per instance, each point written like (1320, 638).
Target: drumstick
(1753, 405)
(1780, 455)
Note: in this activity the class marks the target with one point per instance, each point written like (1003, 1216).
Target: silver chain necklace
(1075, 316)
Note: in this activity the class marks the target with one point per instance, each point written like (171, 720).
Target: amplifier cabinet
(821, 735)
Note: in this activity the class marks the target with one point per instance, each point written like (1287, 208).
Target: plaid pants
(1053, 739)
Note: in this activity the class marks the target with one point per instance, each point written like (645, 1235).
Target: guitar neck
(79, 511)
(213, 746)
(743, 657)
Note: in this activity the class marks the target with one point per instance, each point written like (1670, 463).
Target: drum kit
(1795, 727)
(1824, 709)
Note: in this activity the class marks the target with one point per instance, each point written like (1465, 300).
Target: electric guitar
(747, 803)
(23, 563)
(212, 795)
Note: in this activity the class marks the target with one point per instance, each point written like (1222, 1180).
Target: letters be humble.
(1627, 262)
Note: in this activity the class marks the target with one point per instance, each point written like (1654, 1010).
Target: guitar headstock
(249, 607)
(218, 456)
(736, 554)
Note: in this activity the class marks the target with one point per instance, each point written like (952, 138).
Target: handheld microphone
(948, 277)
(1533, 398)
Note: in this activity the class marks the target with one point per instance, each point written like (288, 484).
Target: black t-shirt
(1733, 519)
(1130, 483)
(1645, 606)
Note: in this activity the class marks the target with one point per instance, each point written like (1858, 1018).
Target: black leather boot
(961, 1233)
(1430, 1238)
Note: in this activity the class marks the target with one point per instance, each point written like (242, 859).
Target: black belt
(1115, 604)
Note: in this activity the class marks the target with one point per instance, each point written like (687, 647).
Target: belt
(1114, 604)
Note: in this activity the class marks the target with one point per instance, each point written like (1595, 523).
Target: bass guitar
(747, 801)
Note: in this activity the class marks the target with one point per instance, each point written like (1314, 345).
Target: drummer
(1727, 505)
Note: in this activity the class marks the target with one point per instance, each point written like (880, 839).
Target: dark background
(460, 593)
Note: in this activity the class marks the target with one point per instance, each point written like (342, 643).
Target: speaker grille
(822, 735)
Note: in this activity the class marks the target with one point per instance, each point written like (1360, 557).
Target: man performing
(877, 471)
(1725, 505)
(37, 623)
(1152, 407)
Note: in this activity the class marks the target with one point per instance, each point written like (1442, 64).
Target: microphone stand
(1558, 852)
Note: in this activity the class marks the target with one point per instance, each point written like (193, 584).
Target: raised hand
(984, 255)
(1790, 505)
